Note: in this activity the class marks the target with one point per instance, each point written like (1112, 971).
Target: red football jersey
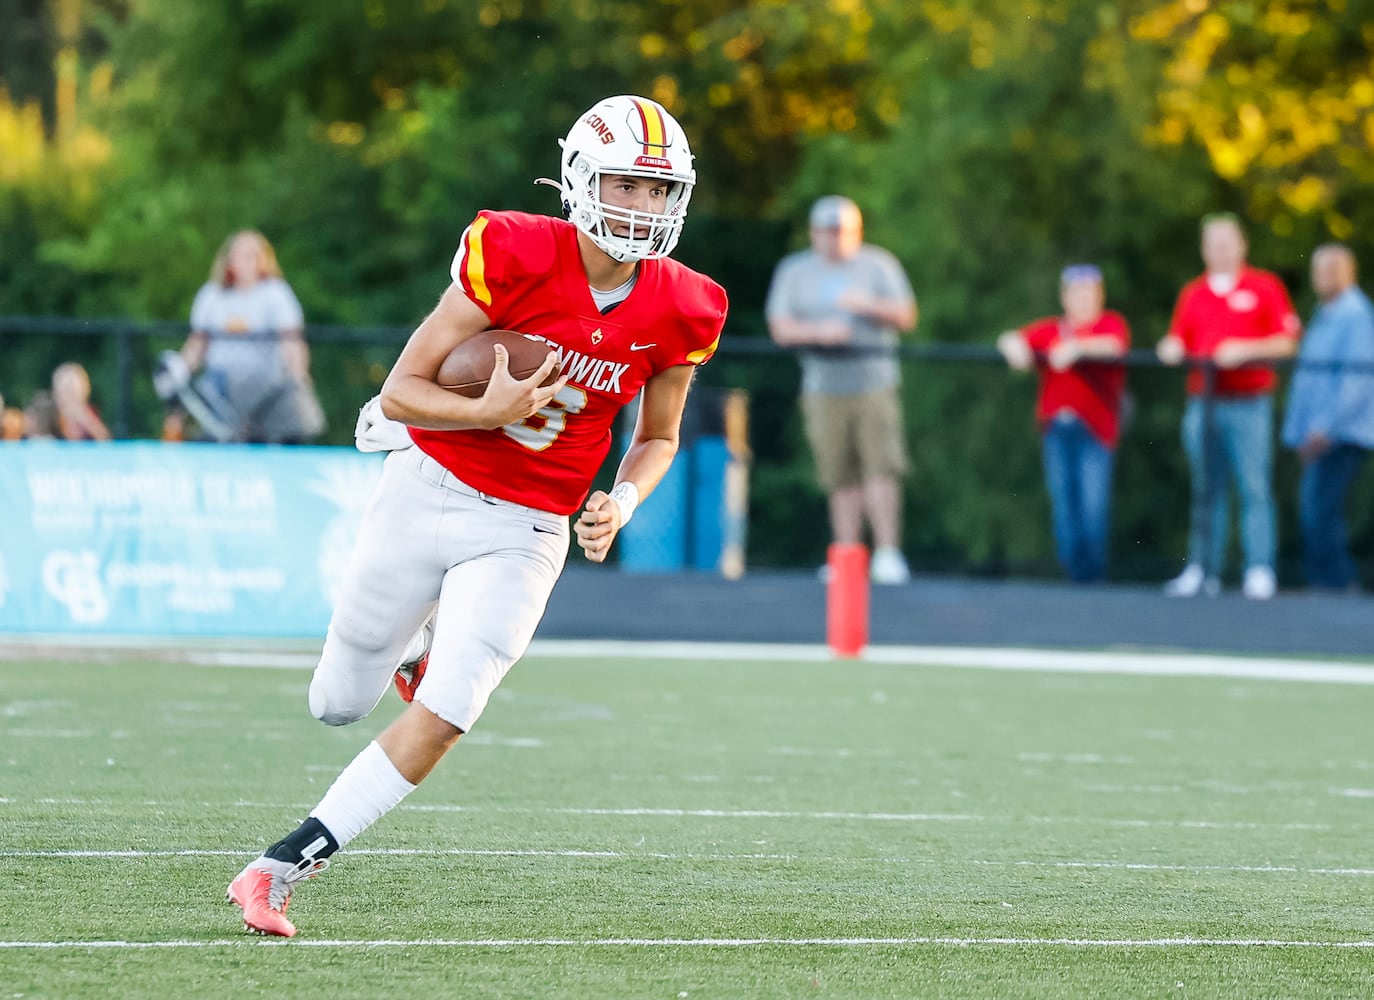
(1257, 307)
(1092, 388)
(526, 274)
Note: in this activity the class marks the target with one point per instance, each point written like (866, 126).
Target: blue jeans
(1241, 448)
(1326, 482)
(1078, 474)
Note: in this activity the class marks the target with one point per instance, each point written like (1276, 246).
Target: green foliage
(989, 144)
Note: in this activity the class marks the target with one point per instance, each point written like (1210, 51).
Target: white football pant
(428, 537)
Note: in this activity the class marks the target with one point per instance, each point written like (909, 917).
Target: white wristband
(626, 497)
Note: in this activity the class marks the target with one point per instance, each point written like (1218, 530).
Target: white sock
(365, 791)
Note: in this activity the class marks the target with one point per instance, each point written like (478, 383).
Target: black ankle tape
(309, 840)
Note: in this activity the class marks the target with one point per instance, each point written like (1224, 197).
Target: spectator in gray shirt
(246, 334)
(844, 302)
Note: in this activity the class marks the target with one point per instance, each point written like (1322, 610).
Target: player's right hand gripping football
(509, 400)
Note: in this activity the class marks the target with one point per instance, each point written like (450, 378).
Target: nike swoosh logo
(641, 347)
(544, 531)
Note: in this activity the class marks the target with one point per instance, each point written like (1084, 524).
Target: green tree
(989, 143)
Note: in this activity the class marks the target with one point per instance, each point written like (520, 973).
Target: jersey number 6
(541, 430)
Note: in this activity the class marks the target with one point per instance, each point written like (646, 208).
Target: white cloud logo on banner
(348, 486)
(73, 578)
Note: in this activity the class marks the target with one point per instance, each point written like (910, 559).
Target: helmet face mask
(627, 137)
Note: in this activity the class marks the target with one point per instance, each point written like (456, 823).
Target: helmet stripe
(655, 130)
(476, 268)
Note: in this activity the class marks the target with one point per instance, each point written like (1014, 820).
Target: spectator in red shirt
(1079, 412)
(1236, 318)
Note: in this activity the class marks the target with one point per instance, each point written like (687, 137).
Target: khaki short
(854, 438)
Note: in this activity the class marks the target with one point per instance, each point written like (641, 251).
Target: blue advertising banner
(145, 538)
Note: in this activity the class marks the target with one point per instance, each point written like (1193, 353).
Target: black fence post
(124, 368)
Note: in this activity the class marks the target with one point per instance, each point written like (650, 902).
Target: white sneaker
(1186, 584)
(1191, 582)
(1259, 583)
(889, 568)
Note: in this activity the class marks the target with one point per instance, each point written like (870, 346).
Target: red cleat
(408, 677)
(411, 670)
(263, 892)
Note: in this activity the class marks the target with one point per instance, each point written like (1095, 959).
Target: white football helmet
(627, 136)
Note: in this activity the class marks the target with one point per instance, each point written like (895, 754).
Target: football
(468, 367)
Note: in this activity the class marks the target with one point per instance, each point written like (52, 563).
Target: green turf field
(616, 828)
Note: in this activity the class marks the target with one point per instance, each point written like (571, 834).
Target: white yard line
(441, 852)
(759, 942)
(1144, 664)
(1142, 866)
(402, 851)
(979, 658)
(638, 811)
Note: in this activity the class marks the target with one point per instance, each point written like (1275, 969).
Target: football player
(471, 519)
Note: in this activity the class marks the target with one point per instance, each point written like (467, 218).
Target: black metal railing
(351, 362)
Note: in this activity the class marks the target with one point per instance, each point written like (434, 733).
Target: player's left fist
(596, 526)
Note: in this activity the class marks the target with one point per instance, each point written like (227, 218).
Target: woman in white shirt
(247, 341)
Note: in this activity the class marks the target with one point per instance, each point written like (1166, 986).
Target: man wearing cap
(1234, 317)
(844, 302)
(1079, 412)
